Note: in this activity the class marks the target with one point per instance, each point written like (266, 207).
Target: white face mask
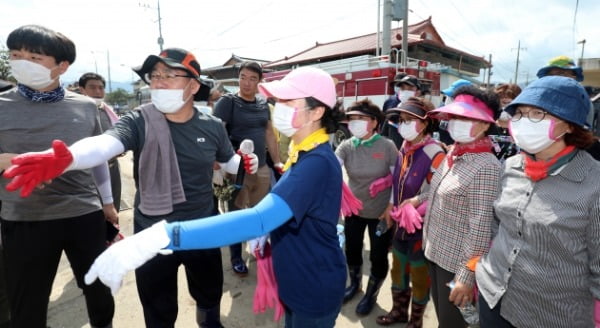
(460, 130)
(533, 137)
(408, 130)
(358, 128)
(168, 101)
(403, 95)
(98, 101)
(31, 74)
(283, 119)
(396, 90)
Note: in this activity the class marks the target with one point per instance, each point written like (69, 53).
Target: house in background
(424, 44)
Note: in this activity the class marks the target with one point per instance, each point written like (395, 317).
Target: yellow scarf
(313, 140)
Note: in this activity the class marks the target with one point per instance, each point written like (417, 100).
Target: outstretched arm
(211, 232)
(31, 169)
(231, 227)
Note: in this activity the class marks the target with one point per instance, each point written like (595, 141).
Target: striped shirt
(459, 215)
(544, 263)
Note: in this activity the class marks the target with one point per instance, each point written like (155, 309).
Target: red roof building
(424, 43)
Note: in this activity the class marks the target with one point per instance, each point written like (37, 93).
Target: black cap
(366, 109)
(410, 80)
(399, 77)
(177, 58)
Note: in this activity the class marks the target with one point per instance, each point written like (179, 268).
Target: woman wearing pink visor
(457, 226)
(299, 214)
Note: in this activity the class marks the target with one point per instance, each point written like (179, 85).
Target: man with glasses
(248, 117)
(174, 148)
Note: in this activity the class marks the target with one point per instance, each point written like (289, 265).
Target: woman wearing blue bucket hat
(543, 268)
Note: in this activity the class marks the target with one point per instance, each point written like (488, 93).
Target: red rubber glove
(250, 163)
(31, 169)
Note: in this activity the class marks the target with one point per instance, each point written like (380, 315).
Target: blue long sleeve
(229, 228)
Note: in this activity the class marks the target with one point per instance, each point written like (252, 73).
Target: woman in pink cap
(457, 226)
(300, 213)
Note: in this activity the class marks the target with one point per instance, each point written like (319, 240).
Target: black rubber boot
(355, 281)
(366, 304)
(209, 318)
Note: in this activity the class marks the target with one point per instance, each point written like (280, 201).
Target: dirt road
(67, 305)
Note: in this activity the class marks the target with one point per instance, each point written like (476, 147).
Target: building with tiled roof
(424, 43)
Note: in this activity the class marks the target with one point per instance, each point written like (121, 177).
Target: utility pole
(161, 41)
(108, 64)
(377, 43)
(582, 43)
(489, 71)
(387, 24)
(517, 66)
(160, 38)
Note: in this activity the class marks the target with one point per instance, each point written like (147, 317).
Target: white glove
(130, 253)
(258, 244)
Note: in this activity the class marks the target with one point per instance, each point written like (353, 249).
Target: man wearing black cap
(175, 147)
(406, 87)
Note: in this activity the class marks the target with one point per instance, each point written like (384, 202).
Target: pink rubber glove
(407, 217)
(31, 169)
(266, 295)
(422, 209)
(350, 204)
(380, 185)
(396, 214)
(597, 313)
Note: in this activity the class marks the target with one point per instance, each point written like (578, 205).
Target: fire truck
(371, 77)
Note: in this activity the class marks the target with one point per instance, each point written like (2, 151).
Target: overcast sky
(270, 30)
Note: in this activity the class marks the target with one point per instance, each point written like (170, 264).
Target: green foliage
(118, 97)
(4, 67)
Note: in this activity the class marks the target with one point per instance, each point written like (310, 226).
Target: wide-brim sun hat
(409, 107)
(466, 106)
(560, 96)
(302, 82)
(561, 62)
(177, 58)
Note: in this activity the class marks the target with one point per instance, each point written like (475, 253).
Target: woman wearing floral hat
(419, 158)
(367, 156)
(457, 226)
(543, 268)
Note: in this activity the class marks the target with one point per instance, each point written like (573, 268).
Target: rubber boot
(399, 312)
(416, 315)
(355, 281)
(209, 318)
(366, 304)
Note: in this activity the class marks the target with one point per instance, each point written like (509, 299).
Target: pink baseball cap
(301, 83)
(466, 106)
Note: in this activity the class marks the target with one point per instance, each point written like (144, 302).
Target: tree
(4, 66)
(118, 97)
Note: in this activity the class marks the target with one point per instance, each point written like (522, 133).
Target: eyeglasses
(169, 77)
(534, 115)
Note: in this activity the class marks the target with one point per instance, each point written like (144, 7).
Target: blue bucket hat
(560, 96)
(562, 62)
(455, 85)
